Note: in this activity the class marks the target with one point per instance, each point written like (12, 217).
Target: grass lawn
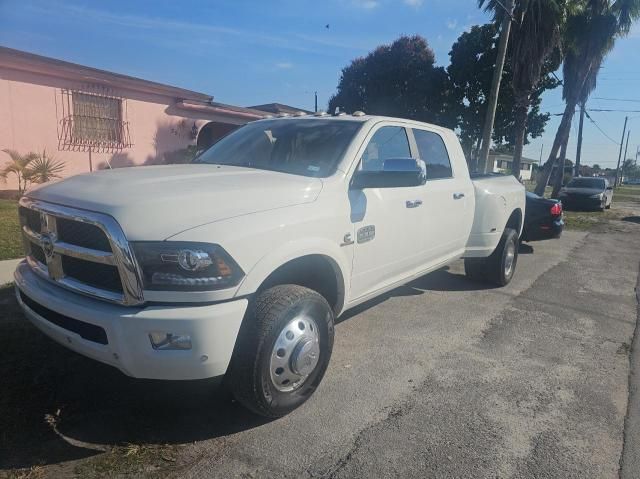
(10, 241)
(590, 220)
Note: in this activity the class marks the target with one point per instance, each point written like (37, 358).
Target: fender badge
(347, 240)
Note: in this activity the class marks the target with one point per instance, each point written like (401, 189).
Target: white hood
(156, 202)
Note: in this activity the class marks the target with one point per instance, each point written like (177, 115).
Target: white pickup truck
(238, 264)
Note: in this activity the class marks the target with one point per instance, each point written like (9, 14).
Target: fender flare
(296, 249)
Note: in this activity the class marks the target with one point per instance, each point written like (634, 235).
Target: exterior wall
(524, 174)
(30, 106)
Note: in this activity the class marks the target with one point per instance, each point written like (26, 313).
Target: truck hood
(156, 202)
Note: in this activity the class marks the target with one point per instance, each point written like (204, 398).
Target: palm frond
(44, 168)
(20, 161)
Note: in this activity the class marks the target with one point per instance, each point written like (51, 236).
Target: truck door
(448, 200)
(386, 220)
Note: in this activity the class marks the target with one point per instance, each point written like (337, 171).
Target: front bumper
(213, 330)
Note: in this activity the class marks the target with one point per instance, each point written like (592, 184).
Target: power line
(598, 127)
(613, 110)
(617, 99)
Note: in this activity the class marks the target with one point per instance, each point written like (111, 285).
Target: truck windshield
(307, 147)
(586, 183)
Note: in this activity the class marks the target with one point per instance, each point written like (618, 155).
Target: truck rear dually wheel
(500, 266)
(282, 351)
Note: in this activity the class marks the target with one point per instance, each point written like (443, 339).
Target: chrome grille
(80, 250)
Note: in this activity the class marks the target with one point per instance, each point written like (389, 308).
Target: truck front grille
(98, 275)
(80, 250)
(82, 234)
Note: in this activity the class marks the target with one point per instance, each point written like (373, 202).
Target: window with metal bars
(96, 118)
(93, 121)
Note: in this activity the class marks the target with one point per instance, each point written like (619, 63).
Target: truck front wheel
(282, 351)
(500, 266)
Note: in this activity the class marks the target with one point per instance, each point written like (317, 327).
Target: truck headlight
(185, 266)
(596, 197)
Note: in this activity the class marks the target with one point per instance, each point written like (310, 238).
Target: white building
(502, 164)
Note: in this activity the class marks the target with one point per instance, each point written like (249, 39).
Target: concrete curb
(7, 268)
(630, 459)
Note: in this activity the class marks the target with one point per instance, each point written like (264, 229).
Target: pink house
(92, 118)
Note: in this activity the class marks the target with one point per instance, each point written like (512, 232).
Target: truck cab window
(433, 152)
(388, 142)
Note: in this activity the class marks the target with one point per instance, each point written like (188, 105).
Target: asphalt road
(440, 378)
(444, 378)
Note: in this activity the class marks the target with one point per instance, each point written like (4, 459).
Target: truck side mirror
(395, 173)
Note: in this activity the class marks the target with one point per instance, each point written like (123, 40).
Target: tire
(283, 350)
(494, 268)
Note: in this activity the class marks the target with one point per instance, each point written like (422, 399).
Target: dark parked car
(587, 193)
(542, 219)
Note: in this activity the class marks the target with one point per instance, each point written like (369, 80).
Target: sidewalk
(6, 270)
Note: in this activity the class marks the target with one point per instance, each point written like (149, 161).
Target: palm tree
(31, 168)
(18, 166)
(44, 168)
(592, 28)
(534, 37)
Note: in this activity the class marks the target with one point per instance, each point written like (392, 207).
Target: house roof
(278, 108)
(213, 107)
(30, 62)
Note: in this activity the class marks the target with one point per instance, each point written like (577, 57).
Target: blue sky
(248, 52)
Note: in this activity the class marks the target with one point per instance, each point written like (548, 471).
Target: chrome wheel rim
(509, 258)
(295, 354)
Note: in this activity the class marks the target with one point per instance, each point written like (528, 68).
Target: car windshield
(307, 147)
(586, 183)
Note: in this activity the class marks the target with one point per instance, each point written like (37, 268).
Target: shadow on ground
(58, 406)
(632, 219)
(442, 279)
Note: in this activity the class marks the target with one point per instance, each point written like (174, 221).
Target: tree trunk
(561, 135)
(483, 160)
(520, 129)
(560, 171)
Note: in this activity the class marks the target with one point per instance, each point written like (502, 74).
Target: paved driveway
(441, 378)
(445, 379)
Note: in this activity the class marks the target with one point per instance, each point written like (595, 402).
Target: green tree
(400, 80)
(630, 169)
(470, 71)
(590, 32)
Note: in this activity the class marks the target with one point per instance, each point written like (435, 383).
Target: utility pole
(315, 95)
(624, 130)
(483, 160)
(579, 147)
(540, 159)
(625, 152)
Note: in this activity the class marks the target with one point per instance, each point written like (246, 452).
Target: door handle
(413, 204)
(458, 196)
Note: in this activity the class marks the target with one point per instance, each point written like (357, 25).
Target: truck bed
(496, 196)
